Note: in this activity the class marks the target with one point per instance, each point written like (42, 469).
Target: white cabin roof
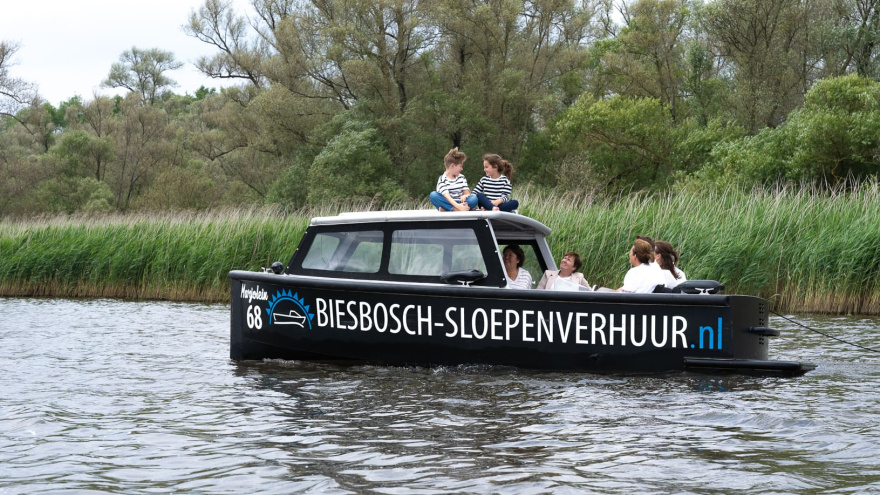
(501, 221)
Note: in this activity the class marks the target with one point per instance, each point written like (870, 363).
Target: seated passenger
(453, 193)
(513, 257)
(667, 259)
(493, 190)
(653, 263)
(641, 278)
(567, 277)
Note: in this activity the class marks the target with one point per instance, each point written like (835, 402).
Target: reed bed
(804, 250)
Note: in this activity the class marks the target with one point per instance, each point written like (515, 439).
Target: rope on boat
(825, 334)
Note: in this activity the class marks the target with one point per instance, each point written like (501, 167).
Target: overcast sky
(68, 46)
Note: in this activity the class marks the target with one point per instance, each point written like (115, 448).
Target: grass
(803, 250)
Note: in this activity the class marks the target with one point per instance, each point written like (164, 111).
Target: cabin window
(432, 252)
(359, 251)
(467, 257)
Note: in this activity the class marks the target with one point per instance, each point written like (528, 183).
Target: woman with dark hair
(519, 277)
(667, 259)
(567, 277)
(641, 278)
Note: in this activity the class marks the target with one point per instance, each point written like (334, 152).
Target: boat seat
(463, 277)
(699, 287)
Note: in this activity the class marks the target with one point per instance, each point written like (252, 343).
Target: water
(140, 397)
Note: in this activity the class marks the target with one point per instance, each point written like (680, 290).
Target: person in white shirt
(513, 257)
(567, 277)
(453, 193)
(650, 240)
(667, 260)
(641, 278)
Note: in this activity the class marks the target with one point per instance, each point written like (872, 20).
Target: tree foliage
(15, 93)
(834, 137)
(361, 99)
(143, 72)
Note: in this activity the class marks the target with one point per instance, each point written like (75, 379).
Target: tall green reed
(802, 249)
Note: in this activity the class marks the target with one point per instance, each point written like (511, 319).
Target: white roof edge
(497, 218)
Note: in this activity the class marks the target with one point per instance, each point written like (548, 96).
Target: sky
(68, 46)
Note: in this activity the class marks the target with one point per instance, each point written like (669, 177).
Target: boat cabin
(459, 248)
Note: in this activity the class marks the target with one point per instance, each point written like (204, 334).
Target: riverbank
(803, 251)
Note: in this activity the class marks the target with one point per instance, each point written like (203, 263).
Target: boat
(291, 318)
(428, 288)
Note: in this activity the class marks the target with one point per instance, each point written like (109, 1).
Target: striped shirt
(523, 280)
(494, 188)
(452, 186)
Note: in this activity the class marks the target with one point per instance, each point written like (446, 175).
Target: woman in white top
(513, 257)
(641, 278)
(567, 277)
(667, 259)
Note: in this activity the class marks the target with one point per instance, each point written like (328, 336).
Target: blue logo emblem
(287, 309)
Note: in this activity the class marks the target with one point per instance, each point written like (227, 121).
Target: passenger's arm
(543, 283)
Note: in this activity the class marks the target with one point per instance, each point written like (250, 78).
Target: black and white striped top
(453, 186)
(494, 188)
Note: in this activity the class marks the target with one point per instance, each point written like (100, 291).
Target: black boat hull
(413, 324)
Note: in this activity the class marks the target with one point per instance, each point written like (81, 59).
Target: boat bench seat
(692, 287)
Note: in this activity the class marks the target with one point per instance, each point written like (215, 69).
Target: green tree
(623, 143)
(854, 38)
(239, 56)
(143, 72)
(427, 75)
(353, 165)
(706, 93)
(648, 56)
(770, 52)
(837, 130)
(204, 92)
(20, 174)
(509, 58)
(832, 138)
(100, 117)
(252, 143)
(37, 121)
(67, 194)
(182, 188)
(84, 154)
(143, 148)
(15, 93)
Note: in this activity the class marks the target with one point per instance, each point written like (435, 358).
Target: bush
(353, 164)
(833, 138)
(74, 194)
(628, 141)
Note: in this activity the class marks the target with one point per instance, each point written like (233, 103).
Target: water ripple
(107, 396)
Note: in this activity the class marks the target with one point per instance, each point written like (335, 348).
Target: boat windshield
(433, 252)
(354, 251)
(401, 252)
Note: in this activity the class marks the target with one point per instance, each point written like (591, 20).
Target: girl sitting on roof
(493, 190)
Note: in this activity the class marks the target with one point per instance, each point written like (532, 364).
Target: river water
(140, 397)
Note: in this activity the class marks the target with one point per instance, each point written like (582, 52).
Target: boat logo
(289, 309)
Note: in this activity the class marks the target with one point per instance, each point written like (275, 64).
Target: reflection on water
(111, 396)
